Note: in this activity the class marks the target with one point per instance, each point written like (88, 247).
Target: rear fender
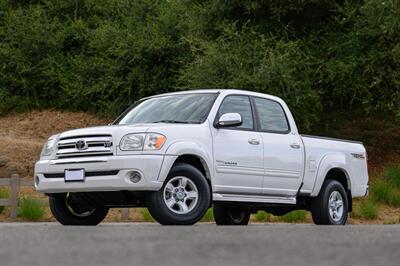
(328, 162)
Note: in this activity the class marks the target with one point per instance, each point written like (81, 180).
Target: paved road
(203, 244)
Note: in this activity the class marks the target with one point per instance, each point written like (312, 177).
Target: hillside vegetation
(330, 60)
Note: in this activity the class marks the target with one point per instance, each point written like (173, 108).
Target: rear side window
(271, 115)
(238, 104)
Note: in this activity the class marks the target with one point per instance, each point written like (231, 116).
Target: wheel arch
(195, 161)
(189, 152)
(332, 166)
(339, 175)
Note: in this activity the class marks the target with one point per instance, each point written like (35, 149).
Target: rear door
(238, 151)
(283, 150)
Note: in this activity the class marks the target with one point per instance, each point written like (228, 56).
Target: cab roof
(222, 91)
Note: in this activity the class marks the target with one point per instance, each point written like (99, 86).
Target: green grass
(3, 195)
(387, 189)
(209, 216)
(146, 215)
(31, 209)
(262, 216)
(383, 191)
(294, 216)
(367, 210)
(392, 175)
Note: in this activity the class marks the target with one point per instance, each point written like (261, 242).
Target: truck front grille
(88, 145)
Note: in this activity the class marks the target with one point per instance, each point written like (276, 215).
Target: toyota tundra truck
(180, 153)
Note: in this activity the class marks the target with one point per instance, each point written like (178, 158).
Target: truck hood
(118, 131)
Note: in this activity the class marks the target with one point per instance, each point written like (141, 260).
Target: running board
(254, 198)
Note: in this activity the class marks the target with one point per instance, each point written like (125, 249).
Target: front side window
(190, 108)
(271, 115)
(238, 104)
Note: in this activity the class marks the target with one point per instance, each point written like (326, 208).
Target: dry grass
(23, 136)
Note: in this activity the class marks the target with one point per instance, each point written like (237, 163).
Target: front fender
(328, 162)
(178, 148)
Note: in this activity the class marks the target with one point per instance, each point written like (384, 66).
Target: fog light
(135, 176)
(36, 180)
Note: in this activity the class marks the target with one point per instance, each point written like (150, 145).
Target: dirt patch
(23, 136)
(386, 215)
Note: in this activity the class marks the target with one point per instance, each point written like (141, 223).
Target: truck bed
(346, 155)
(333, 139)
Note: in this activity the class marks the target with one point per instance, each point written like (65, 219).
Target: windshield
(191, 108)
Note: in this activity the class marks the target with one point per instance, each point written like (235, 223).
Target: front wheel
(226, 214)
(69, 212)
(183, 199)
(331, 205)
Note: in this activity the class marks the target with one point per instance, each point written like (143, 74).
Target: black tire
(63, 213)
(162, 214)
(228, 214)
(320, 205)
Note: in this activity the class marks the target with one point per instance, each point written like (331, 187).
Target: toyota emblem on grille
(81, 145)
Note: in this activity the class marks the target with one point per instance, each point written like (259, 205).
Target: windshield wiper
(172, 121)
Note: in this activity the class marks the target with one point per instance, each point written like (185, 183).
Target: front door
(238, 151)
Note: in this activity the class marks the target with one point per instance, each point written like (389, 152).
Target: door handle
(254, 141)
(295, 145)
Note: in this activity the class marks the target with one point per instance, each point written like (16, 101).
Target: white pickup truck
(180, 153)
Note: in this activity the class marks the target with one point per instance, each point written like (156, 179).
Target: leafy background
(334, 62)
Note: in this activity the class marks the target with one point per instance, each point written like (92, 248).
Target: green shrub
(31, 209)
(209, 216)
(3, 195)
(367, 210)
(146, 215)
(381, 191)
(395, 199)
(294, 216)
(384, 192)
(392, 175)
(100, 55)
(262, 216)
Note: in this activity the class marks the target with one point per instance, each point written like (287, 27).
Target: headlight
(154, 141)
(48, 147)
(132, 142)
(138, 142)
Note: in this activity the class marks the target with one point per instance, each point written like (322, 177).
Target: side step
(254, 198)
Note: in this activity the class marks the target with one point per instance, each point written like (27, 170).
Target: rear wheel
(331, 205)
(227, 214)
(183, 199)
(69, 212)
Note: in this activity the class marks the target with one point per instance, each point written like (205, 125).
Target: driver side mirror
(229, 120)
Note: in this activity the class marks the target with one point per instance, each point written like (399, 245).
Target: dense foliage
(325, 58)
